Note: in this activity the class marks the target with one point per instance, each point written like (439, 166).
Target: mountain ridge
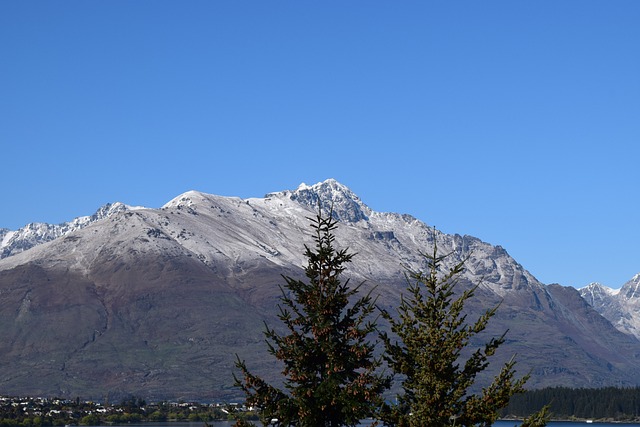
(36, 233)
(167, 296)
(620, 306)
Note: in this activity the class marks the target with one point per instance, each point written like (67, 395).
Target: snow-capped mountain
(156, 302)
(620, 306)
(35, 233)
(386, 242)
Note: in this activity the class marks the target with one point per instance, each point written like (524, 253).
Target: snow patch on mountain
(5, 236)
(36, 233)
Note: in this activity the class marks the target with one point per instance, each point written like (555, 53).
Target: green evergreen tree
(537, 419)
(331, 374)
(432, 333)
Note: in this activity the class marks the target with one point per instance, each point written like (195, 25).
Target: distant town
(42, 411)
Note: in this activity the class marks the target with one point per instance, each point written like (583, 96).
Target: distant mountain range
(157, 302)
(620, 306)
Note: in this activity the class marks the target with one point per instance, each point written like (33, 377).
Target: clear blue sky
(517, 122)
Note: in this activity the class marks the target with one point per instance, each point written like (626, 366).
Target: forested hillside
(610, 403)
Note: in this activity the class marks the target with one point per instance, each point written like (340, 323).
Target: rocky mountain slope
(14, 242)
(621, 306)
(157, 302)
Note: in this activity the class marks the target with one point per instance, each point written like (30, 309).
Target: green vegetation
(432, 333)
(329, 366)
(606, 404)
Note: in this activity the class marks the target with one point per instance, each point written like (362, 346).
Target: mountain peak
(330, 194)
(327, 183)
(620, 306)
(597, 295)
(107, 210)
(187, 199)
(631, 289)
(598, 288)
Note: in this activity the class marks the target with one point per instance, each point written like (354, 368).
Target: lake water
(567, 424)
(365, 423)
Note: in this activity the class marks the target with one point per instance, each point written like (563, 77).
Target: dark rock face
(157, 303)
